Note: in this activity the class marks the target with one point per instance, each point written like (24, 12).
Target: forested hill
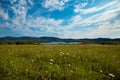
(55, 39)
(40, 40)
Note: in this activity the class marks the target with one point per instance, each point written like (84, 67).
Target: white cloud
(3, 14)
(30, 25)
(41, 26)
(71, 34)
(110, 13)
(79, 7)
(43, 22)
(38, 25)
(12, 1)
(105, 28)
(20, 9)
(109, 5)
(20, 12)
(54, 4)
(76, 19)
(30, 2)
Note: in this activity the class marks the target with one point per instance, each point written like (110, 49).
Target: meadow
(59, 62)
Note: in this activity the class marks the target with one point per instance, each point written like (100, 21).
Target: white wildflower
(27, 70)
(32, 60)
(69, 64)
(101, 71)
(68, 54)
(76, 68)
(46, 71)
(71, 70)
(56, 66)
(51, 60)
(16, 69)
(62, 52)
(110, 74)
(51, 63)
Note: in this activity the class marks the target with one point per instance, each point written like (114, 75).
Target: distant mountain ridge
(54, 39)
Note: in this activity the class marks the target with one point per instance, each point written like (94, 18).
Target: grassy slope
(59, 62)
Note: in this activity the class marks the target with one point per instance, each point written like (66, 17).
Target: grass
(59, 62)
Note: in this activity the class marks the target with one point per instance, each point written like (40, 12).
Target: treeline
(16, 42)
(102, 42)
(37, 40)
(28, 42)
(110, 43)
(20, 42)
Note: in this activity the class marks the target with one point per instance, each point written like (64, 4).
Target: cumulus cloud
(30, 2)
(27, 24)
(97, 21)
(43, 22)
(106, 29)
(20, 9)
(3, 14)
(42, 26)
(37, 25)
(13, 1)
(54, 4)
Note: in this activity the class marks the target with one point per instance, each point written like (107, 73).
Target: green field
(59, 62)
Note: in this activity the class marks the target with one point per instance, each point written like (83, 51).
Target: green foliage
(21, 42)
(59, 62)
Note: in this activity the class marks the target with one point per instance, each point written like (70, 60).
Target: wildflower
(56, 66)
(76, 68)
(27, 70)
(32, 60)
(68, 54)
(71, 70)
(101, 71)
(51, 60)
(69, 64)
(62, 52)
(46, 71)
(16, 69)
(51, 63)
(110, 74)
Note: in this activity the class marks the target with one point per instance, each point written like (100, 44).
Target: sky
(60, 18)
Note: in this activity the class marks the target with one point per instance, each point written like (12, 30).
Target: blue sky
(60, 18)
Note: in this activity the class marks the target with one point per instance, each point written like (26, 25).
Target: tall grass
(59, 62)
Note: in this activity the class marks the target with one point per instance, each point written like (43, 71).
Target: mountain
(101, 39)
(27, 38)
